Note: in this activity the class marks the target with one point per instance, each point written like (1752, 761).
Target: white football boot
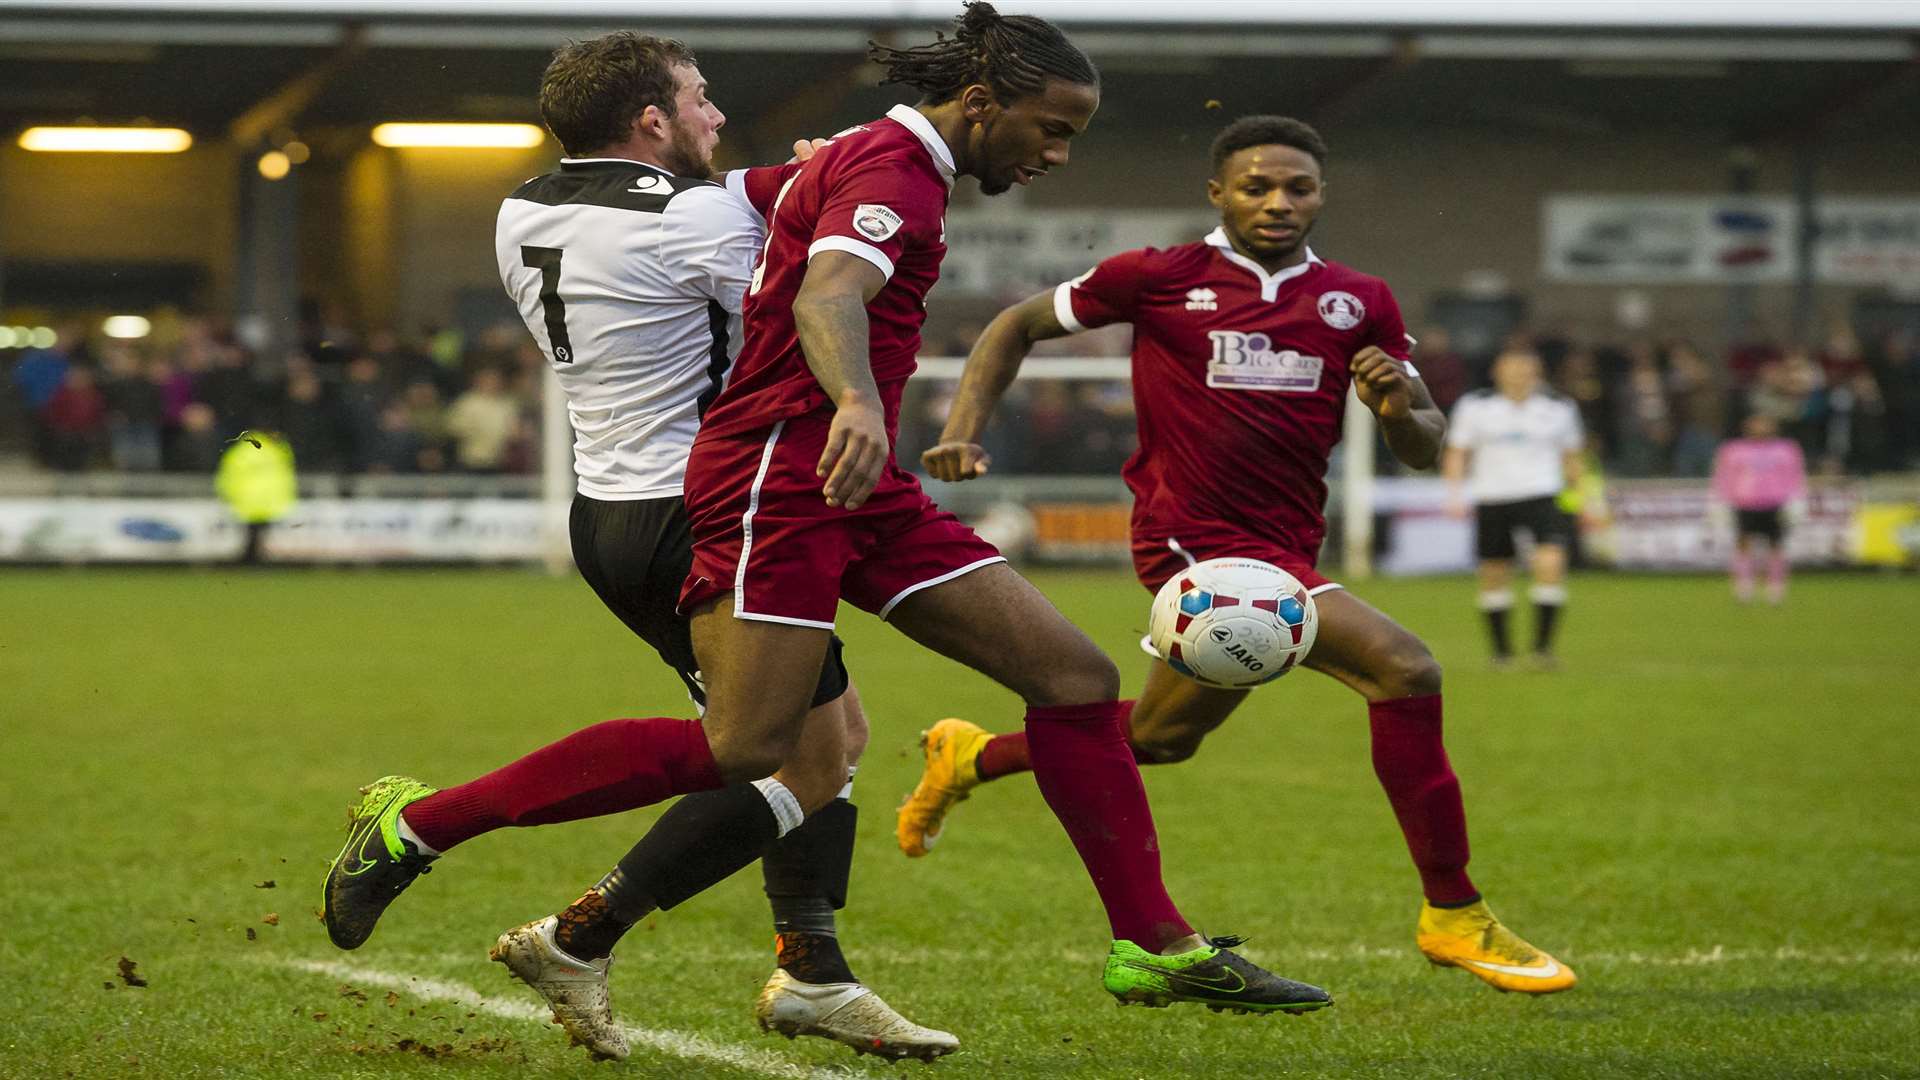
(849, 1013)
(576, 989)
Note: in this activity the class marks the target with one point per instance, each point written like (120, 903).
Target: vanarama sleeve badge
(875, 222)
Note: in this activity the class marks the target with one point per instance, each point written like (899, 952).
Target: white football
(1233, 623)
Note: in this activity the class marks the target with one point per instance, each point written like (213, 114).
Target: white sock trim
(1498, 600)
(786, 809)
(411, 837)
(1548, 594)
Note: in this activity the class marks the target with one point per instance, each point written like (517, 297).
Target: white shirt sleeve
(1572, 434)
(709, 239)
(1460, 425)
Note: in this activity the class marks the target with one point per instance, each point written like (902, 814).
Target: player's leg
(1165, 724)
(1494, 550)
(1549, 596)
(796, 748)
(1551, 529)
(1776, 557)
(1495, 579)
(759, 677)
(813, 991)
(994, 621)
(1742, 565)
(1392, 668)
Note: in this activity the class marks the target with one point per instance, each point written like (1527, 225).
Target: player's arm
(990, 369)
(1414, 426)
(830, 313)
(1453, 468)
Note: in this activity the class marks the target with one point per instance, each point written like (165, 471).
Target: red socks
(1411, 763)
(604, 769)
(1008, 753)
(1004, 754)
(1089, 779)
(1408, 757)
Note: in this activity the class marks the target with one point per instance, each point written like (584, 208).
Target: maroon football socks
(1088, 777)
(1411, 762)
(604, 769)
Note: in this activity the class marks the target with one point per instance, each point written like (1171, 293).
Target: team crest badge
(1341, 310)
(876, 222)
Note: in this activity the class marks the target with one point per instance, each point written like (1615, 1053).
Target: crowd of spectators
(384, 403)
(347, 404)
(1652, 407)
(1656, 407)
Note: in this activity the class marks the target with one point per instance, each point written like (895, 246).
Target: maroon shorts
(764, 534)
(1155, 559)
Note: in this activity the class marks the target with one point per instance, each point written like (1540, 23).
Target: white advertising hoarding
(1706, 239)
(1667, 238)
(318, 530)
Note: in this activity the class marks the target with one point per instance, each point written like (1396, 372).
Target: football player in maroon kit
(795, 501)
(1245, 344)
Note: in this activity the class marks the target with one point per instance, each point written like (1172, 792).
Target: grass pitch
(1711, 813)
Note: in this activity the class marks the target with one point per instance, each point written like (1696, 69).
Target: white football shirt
(1515, 447)
(631, 279)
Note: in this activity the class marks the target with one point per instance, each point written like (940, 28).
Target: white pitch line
(1690, 956)
(677, 1043)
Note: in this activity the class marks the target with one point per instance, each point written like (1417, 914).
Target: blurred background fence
(1691, 210)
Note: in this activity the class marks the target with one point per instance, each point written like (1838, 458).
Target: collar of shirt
(910, 118)
(1269, 283)
(576, 162)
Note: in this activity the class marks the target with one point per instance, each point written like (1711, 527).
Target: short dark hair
(1268, 131)
(592, 90)
(1014, 55)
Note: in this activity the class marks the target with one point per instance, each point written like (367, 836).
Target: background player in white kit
(1510, 452)
(629, 265)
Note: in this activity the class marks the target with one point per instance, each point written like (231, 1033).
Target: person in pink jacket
(1760, 482)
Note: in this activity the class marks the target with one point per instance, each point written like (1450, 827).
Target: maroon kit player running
(1245, 345)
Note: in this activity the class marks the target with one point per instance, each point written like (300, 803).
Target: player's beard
(684, 157)
(991, 187)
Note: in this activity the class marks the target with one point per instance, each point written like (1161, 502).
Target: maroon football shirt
(1239, 381)
(878, 191)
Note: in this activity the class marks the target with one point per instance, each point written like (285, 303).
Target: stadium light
(274, 165)
(460, 136)
(6, 337)
(105, 140)
(126, 327)
(43, 337)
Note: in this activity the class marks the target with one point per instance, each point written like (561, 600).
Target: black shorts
(635, 554)
(1497, 522)
(1765, 524)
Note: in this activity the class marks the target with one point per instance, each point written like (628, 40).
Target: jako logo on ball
(1233, 623)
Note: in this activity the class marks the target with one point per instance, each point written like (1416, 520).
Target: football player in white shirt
(1511, 451)
(629, 266)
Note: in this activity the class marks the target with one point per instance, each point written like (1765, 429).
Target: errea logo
(1202, 300)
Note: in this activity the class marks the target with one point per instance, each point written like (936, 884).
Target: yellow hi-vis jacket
(257, 483)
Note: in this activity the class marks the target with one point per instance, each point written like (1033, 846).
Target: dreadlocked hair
(1014, 55)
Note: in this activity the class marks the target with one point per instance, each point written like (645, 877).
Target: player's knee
(1411, 672)
(742, 759)
(814, 788)
(1164, 747)
(1090, 676)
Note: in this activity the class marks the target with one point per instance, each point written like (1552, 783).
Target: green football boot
(1212, 975)
(376, 865)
